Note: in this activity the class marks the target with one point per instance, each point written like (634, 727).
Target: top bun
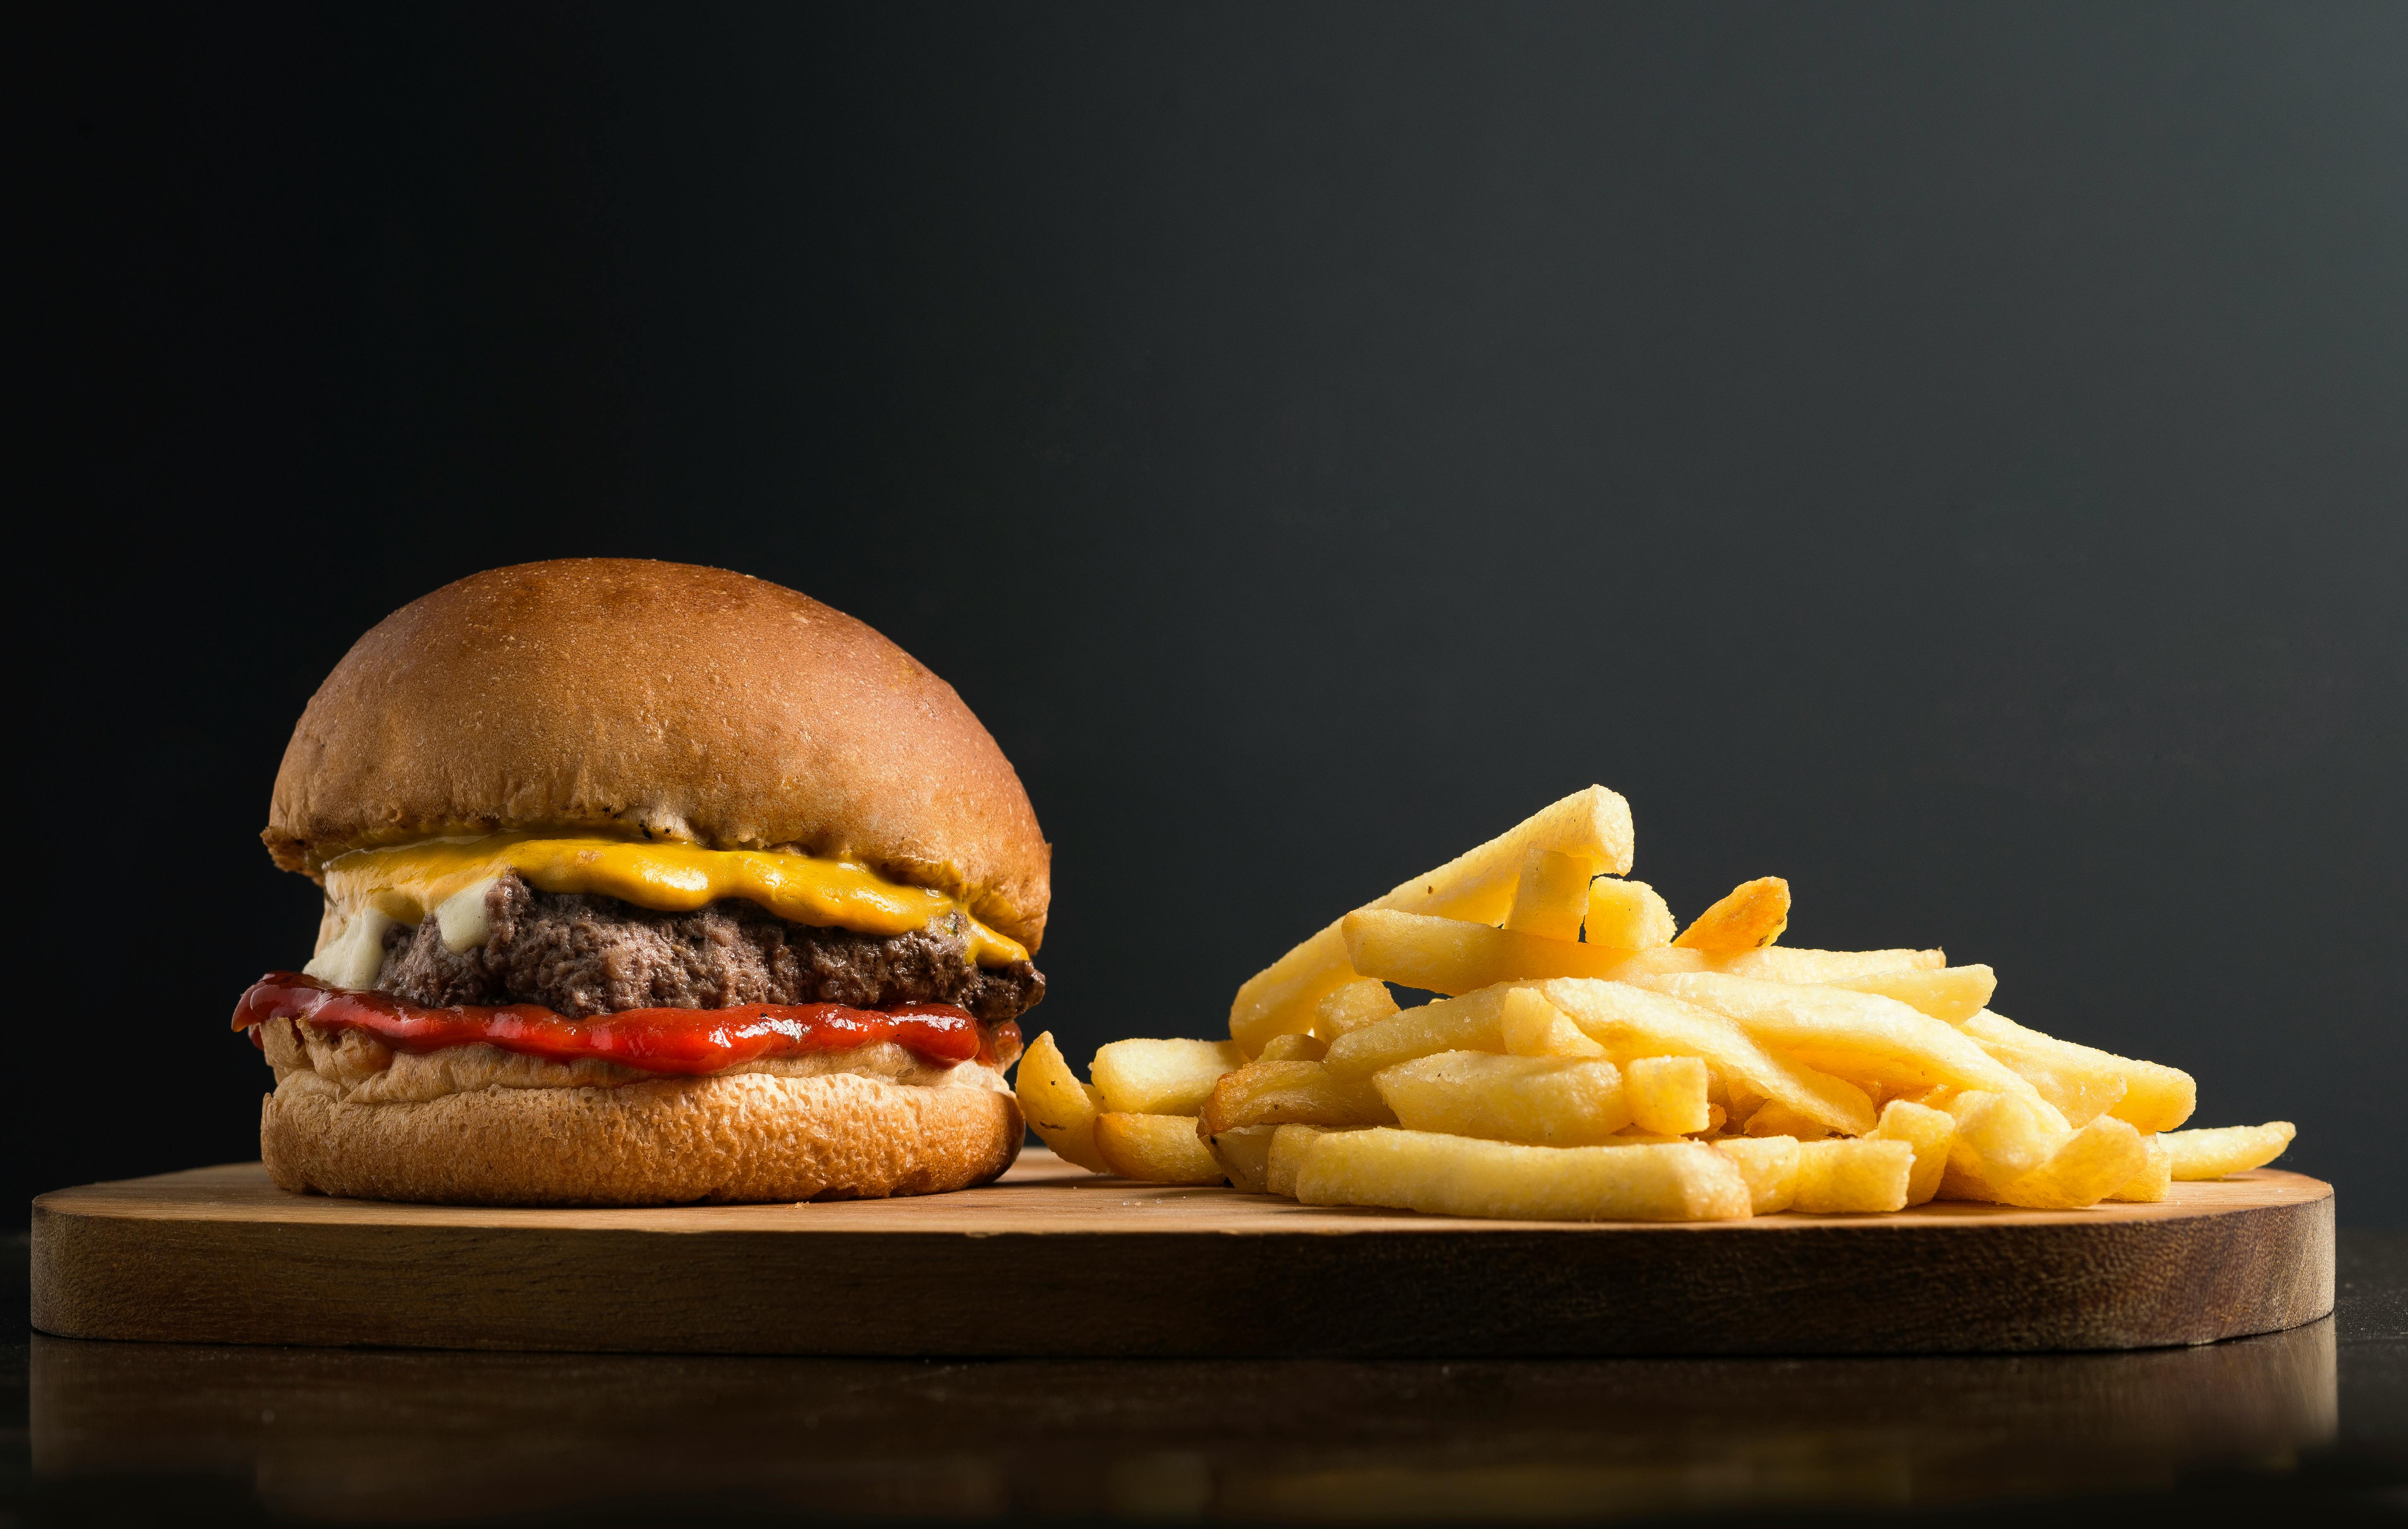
(683, 703)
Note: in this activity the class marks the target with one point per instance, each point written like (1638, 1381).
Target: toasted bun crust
(745, 1137)
(690, 704)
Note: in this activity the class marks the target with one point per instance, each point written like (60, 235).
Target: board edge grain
(1883, 1285)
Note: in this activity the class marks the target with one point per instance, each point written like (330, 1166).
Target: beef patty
(582, 955)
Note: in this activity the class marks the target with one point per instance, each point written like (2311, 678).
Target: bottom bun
(672, 1141)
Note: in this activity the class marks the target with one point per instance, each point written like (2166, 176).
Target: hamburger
(646, 884)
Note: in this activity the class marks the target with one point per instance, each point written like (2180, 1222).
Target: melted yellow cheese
(413, 881)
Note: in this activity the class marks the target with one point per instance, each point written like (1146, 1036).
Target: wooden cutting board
(1053, 1261)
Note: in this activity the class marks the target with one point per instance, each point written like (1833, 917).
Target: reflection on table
(345, 1433)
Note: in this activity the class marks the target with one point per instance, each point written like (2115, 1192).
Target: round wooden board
(1053, 1261)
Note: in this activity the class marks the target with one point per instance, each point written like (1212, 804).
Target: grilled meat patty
(583, 955)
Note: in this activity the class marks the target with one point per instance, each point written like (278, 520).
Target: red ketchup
(689, 1041)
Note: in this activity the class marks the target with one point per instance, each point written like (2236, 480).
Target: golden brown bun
(743, 1138)
(693, 704)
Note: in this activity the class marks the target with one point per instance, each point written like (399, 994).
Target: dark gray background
(1954, 457)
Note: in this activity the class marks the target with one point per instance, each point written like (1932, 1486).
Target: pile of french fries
(1589, 1061)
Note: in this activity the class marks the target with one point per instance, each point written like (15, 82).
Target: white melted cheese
(350, 952)
(463, 918)
(350, 942)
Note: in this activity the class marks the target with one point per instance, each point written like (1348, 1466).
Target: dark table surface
(2270, 1429)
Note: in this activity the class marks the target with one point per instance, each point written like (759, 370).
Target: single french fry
(2000, 1137)
(1450, 956)
(1741, 1102)
(1162, 1077)
(1551, 897)
(1528, 1025)
(2154, 1181)
(1773, 1119)
(2089, 1165)
(2154, 1098)
(1631, 1022)
(1473, 1023)
(1061, 1110)
(1157, 1148)
(1791, 964)
(1351, 1006)
(1930, 1131)
(1462, 1176)
(1751, 914)
(1770, 1165)
(1290, 1093)
(1294, 1046)
(1667, 1095)
(1547, 1101)
(1286, 994)
(2214, 1152)
(2082, 1088)
(1841, 1176)
(1957, 1184)
(1244, 1156)
(1869, 1040)
(1289, 1144)
(1627, 915)
(1952, 993)
(1663, 961)
(1477, 886)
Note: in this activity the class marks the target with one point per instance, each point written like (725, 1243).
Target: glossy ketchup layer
(663, 1040)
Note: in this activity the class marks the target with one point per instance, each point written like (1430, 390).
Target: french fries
(1477, 886)
(1528, 1025)
(1775, 1118)
(1788, 963)
(1293, 1047)
(1059, 1108)
(1930, 1131)
(1751, 914)
(1351, 1006)
(1627, 915)
(1633, 1021)
(1585, 1062)
(2151, 1096)
(1461, 1175)
(2087, 1166)
(1870, 1040)
(1770, 1165)
(1999, 1138)
(2231, 1149)
(1472, 1023)
(1246, 1156)
(1667, 1095)
(1162, 1077)
(1551, 898)
(1291, 1093)
(1950, 994)
(1862, 1174)
(1158, 1149)
(1543, 1100)
(1447, 955)
(2156, 1179)
(1663, 961)
(1289, 1144)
